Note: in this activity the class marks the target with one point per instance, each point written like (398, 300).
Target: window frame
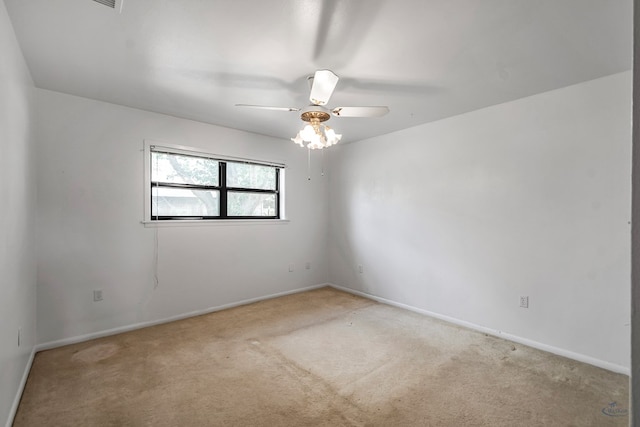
(154, 146)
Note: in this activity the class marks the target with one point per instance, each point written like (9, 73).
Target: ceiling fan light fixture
(317, 136)
(307, 132)
(298, 139)
(332, 135)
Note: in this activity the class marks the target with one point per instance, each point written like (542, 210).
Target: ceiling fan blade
(360, 111)
(324, 82)
(266, 107)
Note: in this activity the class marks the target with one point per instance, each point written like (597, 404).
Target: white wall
(90, 204)
(17, 217)
(462, 216)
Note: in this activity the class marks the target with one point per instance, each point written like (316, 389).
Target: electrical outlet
(360, 269)
(307, 266)
(97, 295)
(524, 302)
(291, 268)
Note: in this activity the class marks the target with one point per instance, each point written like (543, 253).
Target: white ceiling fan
(316, 134)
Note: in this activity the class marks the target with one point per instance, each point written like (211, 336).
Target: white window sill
(215, 222)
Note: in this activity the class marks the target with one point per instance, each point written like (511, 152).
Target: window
(188, 185)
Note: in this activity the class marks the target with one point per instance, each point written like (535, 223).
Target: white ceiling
(425, 59)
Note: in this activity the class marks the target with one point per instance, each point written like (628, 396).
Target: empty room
(316, 212)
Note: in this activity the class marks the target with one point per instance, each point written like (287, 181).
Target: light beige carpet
(317, 358)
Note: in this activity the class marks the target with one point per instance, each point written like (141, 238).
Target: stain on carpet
(96, 353)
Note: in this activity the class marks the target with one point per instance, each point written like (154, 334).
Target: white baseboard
(524, 341)
(93, 335)
(23, 383)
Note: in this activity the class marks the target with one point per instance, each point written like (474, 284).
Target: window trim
(151, 145)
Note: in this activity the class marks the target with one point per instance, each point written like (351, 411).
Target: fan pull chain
(322, 163)
(308, 163)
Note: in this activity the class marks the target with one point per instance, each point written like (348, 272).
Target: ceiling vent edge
(110, 3)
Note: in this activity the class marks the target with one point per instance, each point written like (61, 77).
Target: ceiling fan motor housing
(315, 113)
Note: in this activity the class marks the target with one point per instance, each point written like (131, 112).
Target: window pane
(179, 169)
(242, 175)
(184, 202)
(251, 204)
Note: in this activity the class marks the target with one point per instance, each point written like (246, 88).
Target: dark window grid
(223, 190)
